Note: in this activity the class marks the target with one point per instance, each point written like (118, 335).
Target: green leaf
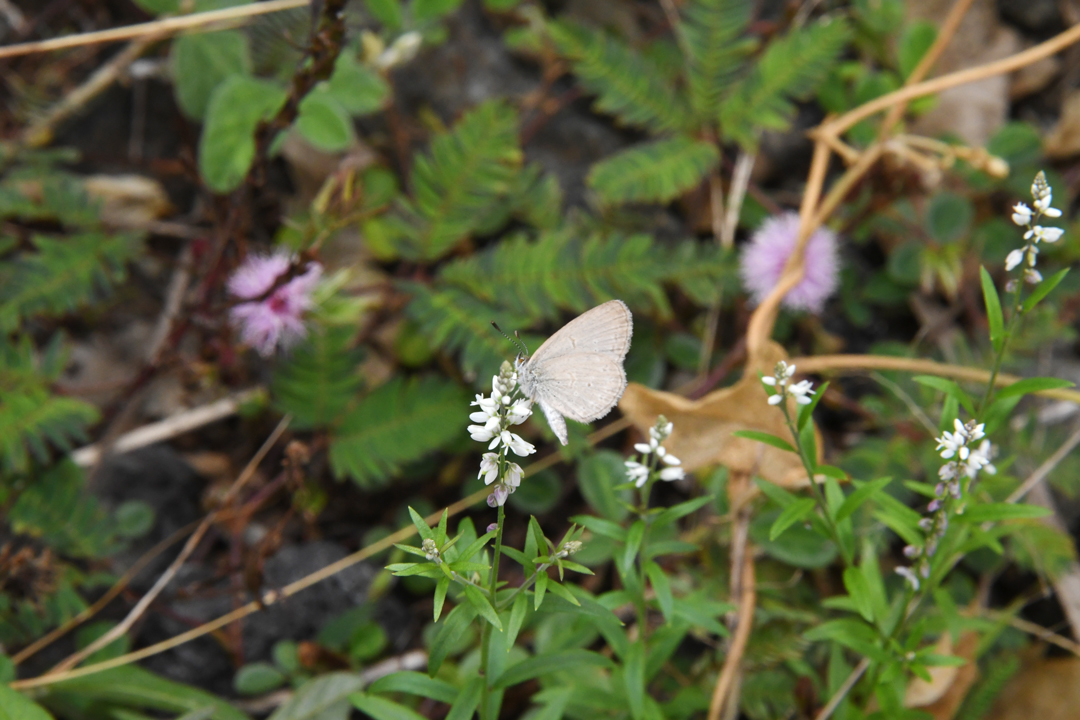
(199, 62)
(64, 275)
(463, 176)
(356, 87)
(626, 84)
(15, 706)
(562, 591)
(387, 12)
(1043, 289)
(480, 602)
(766, 438)
(807, 411)
(774, 492)
(382, 709)
(574, 270)
(859, 590)
(440, 596)
(415, 683)
(798, 546)
(710, 32)
(606, 528)
(701, 611)
(851, 633)
(421, 525)
(791, 514)
(517, 618)
(993, 310)
(1031, 385)
(673, 513)
(949, 387)
(324, 122)
(456, 623)
(136, 688)
(57, 509)
(996, 512)
(227, 145)
(657, 171)
(598, 474)
(257, 678)
(134, 518)
(662, 586)
(561, 661)
(634, 679)
(540, 589)
(791, 67)
(914, 42)
(863, 493)
(633, 543)
(467, 700)
(319, 379)
(948, 217)
(398, 423)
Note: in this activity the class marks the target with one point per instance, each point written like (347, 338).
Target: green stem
(1014, 317)
(816, 490)
(485, 628)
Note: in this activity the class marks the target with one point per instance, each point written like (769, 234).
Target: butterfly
(578, 373)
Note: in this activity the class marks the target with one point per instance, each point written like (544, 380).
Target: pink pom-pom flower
(763, 259)
(275, 321)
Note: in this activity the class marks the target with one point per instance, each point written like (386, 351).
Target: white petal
(643, 448)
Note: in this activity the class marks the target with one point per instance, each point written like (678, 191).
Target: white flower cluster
(1024, 216)
(639, 471)
(968, 460)
(506, 407)
(965, 464)
(781, 382)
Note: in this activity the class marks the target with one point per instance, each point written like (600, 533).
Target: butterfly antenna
(515, 340)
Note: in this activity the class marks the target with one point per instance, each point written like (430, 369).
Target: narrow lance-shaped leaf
(994, 316)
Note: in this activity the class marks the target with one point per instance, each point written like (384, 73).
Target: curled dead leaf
(703, 428)
(128, 201)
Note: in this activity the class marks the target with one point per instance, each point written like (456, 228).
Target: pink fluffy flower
(276, 320)
(763, 259)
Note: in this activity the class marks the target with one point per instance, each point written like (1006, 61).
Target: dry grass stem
(140, 607)
(160, 28)
(178, 424)
(726, 679)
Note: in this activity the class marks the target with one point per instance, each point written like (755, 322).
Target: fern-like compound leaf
(319, 380)
(398, 423)
(566, 270)
(63, 275)
(626, 84)
(31, 418)
(458, 322)
(657, 171)
(791, 68)
(710, 32)
(460, 180)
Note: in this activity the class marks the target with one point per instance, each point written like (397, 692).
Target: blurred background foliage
(434, 219)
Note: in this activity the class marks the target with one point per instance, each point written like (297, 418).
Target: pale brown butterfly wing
(606, 330)
(578, 373)
(581, 386)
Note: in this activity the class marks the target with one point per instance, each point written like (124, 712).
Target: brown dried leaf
(943, 695)
(703, 428)
(1046, 689)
